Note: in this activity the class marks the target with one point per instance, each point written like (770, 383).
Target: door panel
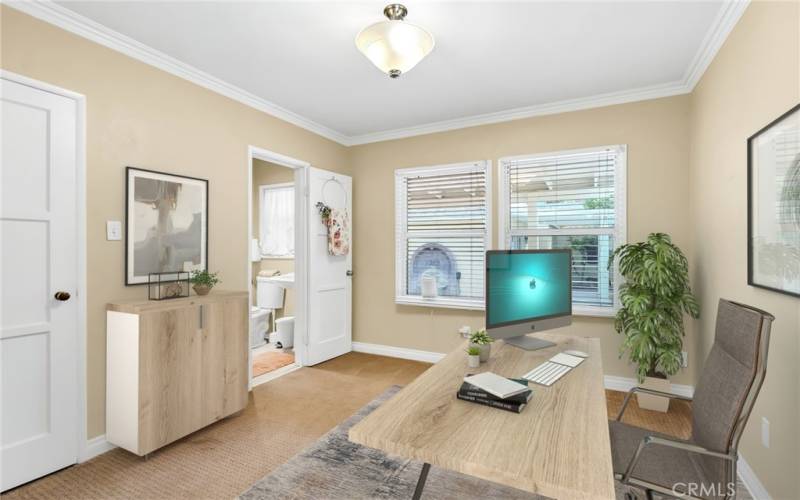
(171, 376)
(329, 285)
(38, 257)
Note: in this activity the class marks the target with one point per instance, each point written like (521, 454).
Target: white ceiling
(490, 57)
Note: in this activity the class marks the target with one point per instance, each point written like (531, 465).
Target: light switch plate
(113, 230)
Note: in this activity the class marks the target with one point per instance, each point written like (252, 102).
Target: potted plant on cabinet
(654, 298)
(203, 281)
(473, 357)
(482, 341)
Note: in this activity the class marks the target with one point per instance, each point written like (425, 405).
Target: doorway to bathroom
(308, 296)
(274, 221)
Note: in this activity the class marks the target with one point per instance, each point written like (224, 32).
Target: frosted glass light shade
(394, 46)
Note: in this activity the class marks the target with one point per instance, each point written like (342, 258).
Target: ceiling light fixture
(394, 46)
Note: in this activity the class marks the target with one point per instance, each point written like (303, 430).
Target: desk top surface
(557, 447)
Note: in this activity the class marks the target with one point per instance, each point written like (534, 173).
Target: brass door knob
(62, 296)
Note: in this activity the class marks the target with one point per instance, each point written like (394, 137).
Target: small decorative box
(169, 285)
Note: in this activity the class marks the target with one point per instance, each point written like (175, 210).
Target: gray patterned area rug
(334, 468)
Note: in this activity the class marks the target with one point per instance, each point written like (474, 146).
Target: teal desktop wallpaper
(527, 286)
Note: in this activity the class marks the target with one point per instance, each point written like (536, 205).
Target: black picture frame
(752, 201)
(129, 241)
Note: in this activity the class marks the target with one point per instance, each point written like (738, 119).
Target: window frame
(401, 233)
(262, 189)
(619, 232)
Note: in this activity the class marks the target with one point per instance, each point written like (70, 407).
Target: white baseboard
(750, 481)
(398, 352)
(625, 384)
(95, 447)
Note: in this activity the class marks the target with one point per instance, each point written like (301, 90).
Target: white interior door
(330, 289)
(38, 245)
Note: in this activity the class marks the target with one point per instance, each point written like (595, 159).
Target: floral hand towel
(338, 232)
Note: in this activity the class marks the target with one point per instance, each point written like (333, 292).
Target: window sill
(594, 312)
(477, 305)
(441, 302)
(277, 257)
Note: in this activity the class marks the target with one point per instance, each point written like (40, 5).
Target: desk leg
(421, 482)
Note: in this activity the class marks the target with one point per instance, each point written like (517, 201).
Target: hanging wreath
(324, 212)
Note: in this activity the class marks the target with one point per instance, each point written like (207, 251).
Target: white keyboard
(550, 371)
(547, 373)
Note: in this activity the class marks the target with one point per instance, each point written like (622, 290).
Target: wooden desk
(557, 447)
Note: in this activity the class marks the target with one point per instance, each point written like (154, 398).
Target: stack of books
(493, 390)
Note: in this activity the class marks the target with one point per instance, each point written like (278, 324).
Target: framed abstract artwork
(773, 204)
(166, 224)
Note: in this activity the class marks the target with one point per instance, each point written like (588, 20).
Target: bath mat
(270, 361)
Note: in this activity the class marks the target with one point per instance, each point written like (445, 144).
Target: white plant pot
(473, 361)
(486, 350)
(654, 403)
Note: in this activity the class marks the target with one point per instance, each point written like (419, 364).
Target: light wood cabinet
(173, 367)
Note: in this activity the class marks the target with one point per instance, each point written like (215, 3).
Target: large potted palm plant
(654, 298)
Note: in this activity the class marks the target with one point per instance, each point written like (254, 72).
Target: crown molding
(66, 19)
(596, 101)
(48, 11)
(726, 20)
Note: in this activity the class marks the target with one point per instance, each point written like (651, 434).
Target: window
(442, 233)
(276, 221)
(570, 199)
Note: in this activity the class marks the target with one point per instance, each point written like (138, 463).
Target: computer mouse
(580, 354)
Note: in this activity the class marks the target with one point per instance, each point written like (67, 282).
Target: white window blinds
(442, 233)
(573, 200)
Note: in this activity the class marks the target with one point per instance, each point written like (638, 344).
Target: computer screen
(527, 285)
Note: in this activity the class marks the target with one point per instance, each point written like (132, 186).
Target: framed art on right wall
(773, 205)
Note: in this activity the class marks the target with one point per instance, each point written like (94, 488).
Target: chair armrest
(648, 391)
(673, 443)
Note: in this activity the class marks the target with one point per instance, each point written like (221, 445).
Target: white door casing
(329, 306)
(38, 257)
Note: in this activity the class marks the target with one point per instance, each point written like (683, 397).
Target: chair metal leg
(423, 476)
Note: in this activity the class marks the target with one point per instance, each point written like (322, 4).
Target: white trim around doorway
(300, 257)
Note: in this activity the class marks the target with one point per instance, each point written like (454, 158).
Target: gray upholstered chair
(704, 466)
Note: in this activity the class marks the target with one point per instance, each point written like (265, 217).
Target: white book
(496, 385)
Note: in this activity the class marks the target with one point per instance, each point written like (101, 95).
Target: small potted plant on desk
(654, 297)
(482, 341)
(473, 357)
(203, 281)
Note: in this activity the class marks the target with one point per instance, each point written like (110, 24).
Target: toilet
(269, 297)
(259, 326)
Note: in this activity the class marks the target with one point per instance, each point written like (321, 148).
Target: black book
(470, 390)
(512, 407)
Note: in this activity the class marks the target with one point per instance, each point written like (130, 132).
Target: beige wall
(266, 173)
(754, 79)
(656, 133)
(140, 116)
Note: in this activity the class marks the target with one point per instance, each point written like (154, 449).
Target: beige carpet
(271, 361)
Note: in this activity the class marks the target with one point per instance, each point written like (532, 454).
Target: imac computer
(527, 291)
